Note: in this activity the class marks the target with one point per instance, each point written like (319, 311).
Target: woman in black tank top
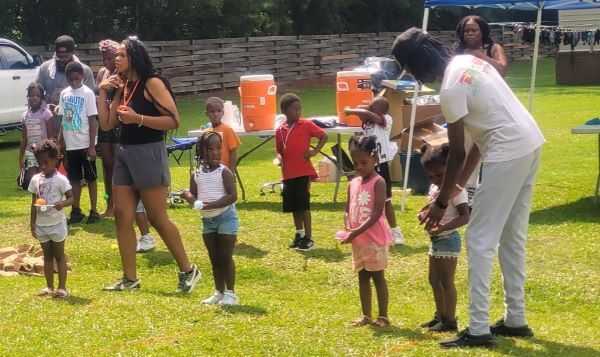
(473, 33)
(142, 108)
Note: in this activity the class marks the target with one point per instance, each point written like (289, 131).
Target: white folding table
(268, 135)
(591, 129)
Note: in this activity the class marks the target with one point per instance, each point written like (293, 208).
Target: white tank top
(210, 188)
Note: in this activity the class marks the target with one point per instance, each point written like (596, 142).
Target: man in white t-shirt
(78, 109)
(475, 99)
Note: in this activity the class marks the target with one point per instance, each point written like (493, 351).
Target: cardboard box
(427, 131)
(400, 112)
(424, 112)
(395, 167)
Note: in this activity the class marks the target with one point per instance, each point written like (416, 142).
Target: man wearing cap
(52, 75)
(476, 100)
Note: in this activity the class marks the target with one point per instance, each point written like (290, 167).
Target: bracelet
(459, 187)
(141, 121)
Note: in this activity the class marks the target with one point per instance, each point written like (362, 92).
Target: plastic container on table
(258, 101)
(353, 88)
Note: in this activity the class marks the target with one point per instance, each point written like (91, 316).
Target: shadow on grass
(583, 210)
(276, 206)
(329, 255)
(249, 251)
(76, 300)
(508, 346)
(242, 309)
(9, 144)
(155, 258)
(398, 332)
(406, 250)
(106, 227)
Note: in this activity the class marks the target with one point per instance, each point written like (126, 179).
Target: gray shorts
(56, 233)
(141, 166)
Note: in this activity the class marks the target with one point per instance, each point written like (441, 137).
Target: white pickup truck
(17, 70)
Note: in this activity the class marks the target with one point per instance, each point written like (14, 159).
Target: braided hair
(364, 143)
(47, 146)
(202, 147)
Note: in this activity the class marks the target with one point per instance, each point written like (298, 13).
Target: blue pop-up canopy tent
(537, 5)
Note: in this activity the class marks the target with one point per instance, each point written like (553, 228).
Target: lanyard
(285, 140)
(126, 99)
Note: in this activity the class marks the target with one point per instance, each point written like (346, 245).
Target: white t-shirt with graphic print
(385, 149)
(499, 124)
(52, 190)
(76, 105)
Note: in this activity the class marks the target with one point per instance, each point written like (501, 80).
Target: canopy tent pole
(536, 46)
(413, 115)
(425, 19)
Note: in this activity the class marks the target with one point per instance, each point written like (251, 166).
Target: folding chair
(345, 163)
(176, 147)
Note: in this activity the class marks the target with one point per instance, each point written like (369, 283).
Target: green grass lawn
(301, 304)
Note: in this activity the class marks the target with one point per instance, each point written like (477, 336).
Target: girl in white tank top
(213, 192)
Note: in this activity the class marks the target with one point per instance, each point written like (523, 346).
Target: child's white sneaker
(397, 237)
(145, 243)
(213, 299)
(229, 298)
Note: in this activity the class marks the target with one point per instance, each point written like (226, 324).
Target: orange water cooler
(353, 89)
(258, 102)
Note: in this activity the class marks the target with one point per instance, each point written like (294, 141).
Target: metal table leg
(239, 160)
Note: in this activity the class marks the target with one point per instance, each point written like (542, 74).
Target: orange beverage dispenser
(353, 89)
(258, 101)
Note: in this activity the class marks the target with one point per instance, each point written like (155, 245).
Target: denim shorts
(446, 246)
(225, 223)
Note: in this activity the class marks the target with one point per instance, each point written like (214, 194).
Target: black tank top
(132, 134)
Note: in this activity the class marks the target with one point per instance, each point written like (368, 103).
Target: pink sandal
(45, 292)
(61, 294)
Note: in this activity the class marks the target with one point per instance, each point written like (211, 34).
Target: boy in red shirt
(292, 140)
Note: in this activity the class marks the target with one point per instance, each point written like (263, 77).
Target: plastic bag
(380, 68)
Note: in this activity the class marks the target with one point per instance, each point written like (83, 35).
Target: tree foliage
(41, 21)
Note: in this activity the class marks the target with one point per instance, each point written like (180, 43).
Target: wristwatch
(440, 205)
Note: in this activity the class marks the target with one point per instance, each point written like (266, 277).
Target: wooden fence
(204, 65)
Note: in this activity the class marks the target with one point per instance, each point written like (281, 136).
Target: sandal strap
(62, 293)
(362, 321)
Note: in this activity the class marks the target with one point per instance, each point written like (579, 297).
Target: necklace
(285, 140)
(127, 99)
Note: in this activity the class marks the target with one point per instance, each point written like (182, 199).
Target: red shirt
(292, 141)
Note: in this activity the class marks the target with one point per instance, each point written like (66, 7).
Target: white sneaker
(229, 298)
(214, 299)
(145, 243)
(397, 237)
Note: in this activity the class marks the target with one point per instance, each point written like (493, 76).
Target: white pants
(499, 221)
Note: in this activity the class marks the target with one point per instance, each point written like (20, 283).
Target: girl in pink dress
(367, 228)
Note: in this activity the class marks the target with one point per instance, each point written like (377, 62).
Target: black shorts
(296, 194)
(384, 171)
(107, 136)
(79, 166)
